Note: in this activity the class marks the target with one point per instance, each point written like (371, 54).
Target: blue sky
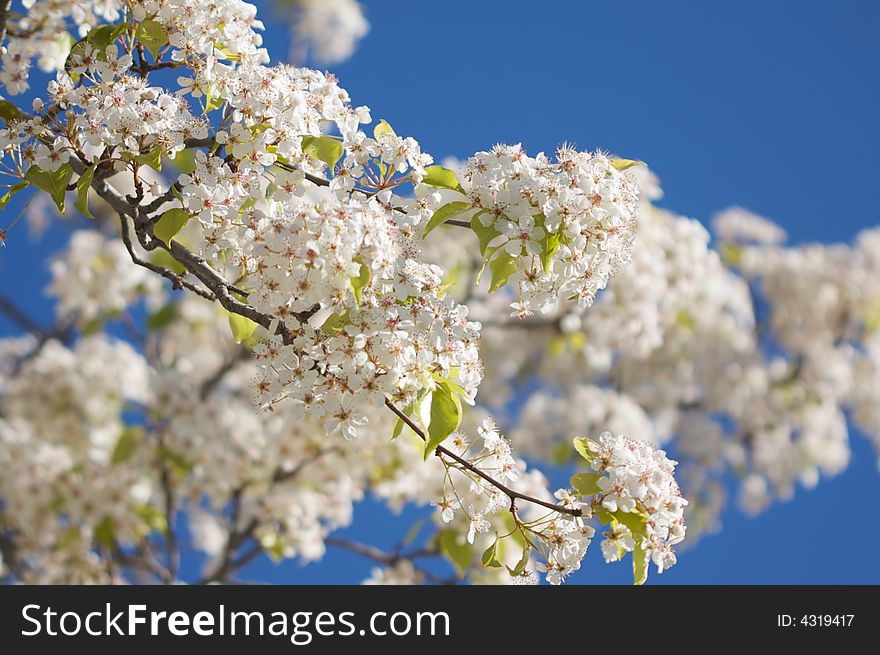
(768, 105)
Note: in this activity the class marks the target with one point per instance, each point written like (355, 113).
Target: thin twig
(511, 493)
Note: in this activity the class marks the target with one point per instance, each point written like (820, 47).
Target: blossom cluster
(566, 224)
(362, 313)
(640, 480)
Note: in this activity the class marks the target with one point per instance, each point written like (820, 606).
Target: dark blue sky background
(770, 105)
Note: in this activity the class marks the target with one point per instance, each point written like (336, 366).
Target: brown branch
(511, 493)
(4, 16)
(177, 281)
(22, 319)
(241, 354)
(388, 559)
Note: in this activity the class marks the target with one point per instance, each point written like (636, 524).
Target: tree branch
(4, 17)
(511, 493)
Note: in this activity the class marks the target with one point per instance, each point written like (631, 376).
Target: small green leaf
(153, 158)
(523, 562)
(586, 484)
(635, 521)
(641, 559)
(324, 148)
(105, 531)
(382, 127)
(15, 188)
(83, 184)
(126, 445)
(101, 36)
(586, 448)
(153, 517)
(212, 102)
(490, 556)
(162, 318)
(444, 213)
(335, 323)
(273, 546)
(731, 254)
(164, 259)
(178, 461)
(456, 550)
(54, 183)
(185, 160)
(502, 267)
(9, 112)
(442, 178)
(242, 327)
(549, 245)
(399, 423)
(445, 416)
(169, 224)
(358, 283)
(92, 326)
(485, 233)
(152, 35)
(623, 164)
(413, 532)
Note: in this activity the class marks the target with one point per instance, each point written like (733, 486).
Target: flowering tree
(303, 346)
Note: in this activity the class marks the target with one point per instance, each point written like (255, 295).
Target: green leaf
(185, 160)
(103, 35)
(586, 448)
(54, 183)
(274, 547)
(153, 517)
(164, 259)
(178, 461)
(444, 213)
(549, 245)
(605, 517)
(635, 521)
(212, 102)
(413, 532)
(324, 148)
(162, 318)
(442, 178)
(445, 416)
(523, 562)
(152, 35)
(586, 484)
(153, 158)
(15, 188)
(358, 283)
(485, 233)
(731, 254)
(9, 112)
(169, 224)
(641, 559)
(490, 555)
(242, 327)
(501, 267)
(457, 550)
(92, 326)
(382, 127)
(334, 323)
(399, 423)
(83, 184)
(623, 164)
(105, 532)
(126, 445)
